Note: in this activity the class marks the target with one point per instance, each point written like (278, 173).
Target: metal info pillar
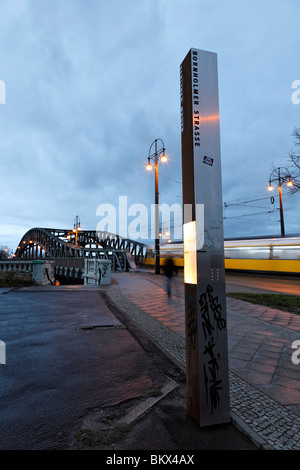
(207, 375)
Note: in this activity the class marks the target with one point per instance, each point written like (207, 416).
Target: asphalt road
(66, 353)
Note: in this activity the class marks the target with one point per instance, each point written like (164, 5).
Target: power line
(228, 204)
(170, 195)
(247, 215)
(167, 177)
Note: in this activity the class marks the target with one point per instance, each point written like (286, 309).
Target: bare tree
(3, 253)
(294, 159)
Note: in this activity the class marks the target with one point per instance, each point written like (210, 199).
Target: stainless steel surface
(201, 161)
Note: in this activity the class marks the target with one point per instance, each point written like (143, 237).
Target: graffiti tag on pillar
(212, 321)
(104, 269)
(192, 322)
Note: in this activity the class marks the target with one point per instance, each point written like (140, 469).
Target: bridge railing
(54, 243)
(25, 267)
(39, 272)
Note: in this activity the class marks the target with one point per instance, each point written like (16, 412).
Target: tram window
(286, 252)
(247, 252)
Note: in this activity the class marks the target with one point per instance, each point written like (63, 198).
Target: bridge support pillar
(43, 272)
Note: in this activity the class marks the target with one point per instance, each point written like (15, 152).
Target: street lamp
(158, 154)
(280, 176)
(76, 228)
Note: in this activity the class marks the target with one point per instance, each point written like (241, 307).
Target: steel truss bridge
(41, 243)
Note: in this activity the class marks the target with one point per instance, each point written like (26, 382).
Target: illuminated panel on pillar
(190, 253)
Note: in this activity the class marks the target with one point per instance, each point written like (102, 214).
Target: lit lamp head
(164, 157)
(270, 187)
(290, 183)
(148, 166)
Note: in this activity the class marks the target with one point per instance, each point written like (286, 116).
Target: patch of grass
(154, 392)
(90, 438)
(12, 279)
(285, 302)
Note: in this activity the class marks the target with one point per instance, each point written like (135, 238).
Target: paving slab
(260, 343)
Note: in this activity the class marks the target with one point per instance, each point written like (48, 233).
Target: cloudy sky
(90, 85)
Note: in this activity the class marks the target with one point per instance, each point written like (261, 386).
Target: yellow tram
(260, 255)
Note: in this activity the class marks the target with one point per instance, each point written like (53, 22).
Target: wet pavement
(83, 362)
(66, 353)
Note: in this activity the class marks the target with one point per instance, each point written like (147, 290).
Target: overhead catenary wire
(177, 222)
(244, 202)
(170, 195)
(247, 215)
(171, 179)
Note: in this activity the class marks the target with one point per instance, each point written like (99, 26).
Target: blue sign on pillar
(207, 374)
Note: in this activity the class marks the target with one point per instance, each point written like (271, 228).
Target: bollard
(97, 272)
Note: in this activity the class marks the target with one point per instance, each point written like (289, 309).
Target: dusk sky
(87, 86)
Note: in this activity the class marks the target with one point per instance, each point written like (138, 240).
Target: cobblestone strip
(276, 426)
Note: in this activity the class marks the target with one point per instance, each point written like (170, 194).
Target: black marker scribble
(212, 321)
(192, 322)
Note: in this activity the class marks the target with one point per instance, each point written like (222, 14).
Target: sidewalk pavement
(264, 382)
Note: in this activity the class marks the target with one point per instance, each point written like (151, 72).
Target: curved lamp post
(159, 154)
(76, 228)
(280, 176)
